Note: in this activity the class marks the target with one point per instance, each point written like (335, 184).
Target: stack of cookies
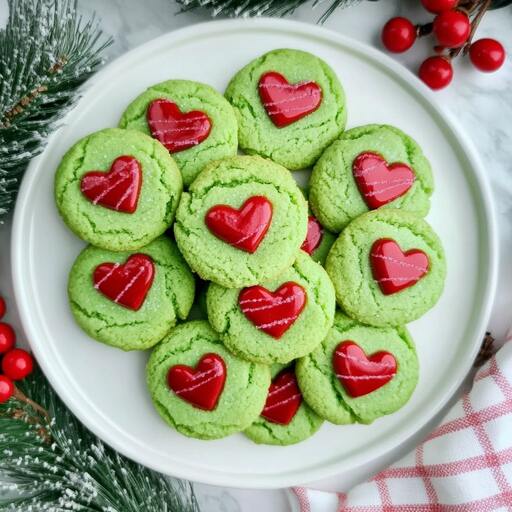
(269, 308)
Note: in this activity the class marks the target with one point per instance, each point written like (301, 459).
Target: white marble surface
(481, 103)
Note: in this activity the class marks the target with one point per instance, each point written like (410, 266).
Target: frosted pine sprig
(49, 462)
(46, 52)
(247, 8)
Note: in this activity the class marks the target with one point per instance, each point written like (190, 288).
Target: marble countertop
(481, 103)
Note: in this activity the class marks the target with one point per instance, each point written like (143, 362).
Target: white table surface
(481, 103)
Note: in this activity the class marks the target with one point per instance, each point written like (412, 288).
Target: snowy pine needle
(249, 8)
(46, 51)
(57, 465)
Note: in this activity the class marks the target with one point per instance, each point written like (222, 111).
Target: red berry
(398, 35)
(2, 307)
(436, 72)
(452, 28)
(17, 364)
(6, 389)
(7, 338)
(437, 6)
(487, 55)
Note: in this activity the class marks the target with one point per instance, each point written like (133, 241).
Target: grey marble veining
(482, 104)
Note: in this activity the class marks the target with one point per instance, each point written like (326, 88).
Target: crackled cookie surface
(192, 120)
(388, 267)
(286, 418)
(359, 373)
(130, 300)
(242, 221)
(200, 388)
(117, 189)
(369, 167)
(290, 106)
(277, 320)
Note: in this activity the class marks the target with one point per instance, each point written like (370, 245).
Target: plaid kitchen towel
(464, 465)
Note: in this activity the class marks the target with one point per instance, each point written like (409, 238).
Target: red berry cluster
(16, 363)
(453, 30)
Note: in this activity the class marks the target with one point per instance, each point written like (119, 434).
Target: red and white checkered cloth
(464, 465)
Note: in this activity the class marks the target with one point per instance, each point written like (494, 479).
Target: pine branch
(58, 465)
(46, 52)
(259, 7)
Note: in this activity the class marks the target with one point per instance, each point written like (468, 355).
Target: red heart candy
(286, 103)
(395, 270)
(244, 228)
(117, 189)
(176, 130)
(313, 237)
(126, 284)
(201, 386)
(273, 312)
(378, 182)
(360, 374)
(283, 399)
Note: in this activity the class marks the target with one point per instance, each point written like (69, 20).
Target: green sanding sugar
(222, 140)
(169, 299)
(334, 195)
(325, 394)
(239, 404)
(301, 143)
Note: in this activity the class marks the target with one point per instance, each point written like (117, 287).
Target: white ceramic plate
(105, 387)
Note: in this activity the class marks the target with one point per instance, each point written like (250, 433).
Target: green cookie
(168, 300)
(300, 143)
(105, 227)
(266, 197)
(334, 194)
(222, 140)
(361, 291)
(252, 322)
(334, 401)
(239, 402)
(284, 393)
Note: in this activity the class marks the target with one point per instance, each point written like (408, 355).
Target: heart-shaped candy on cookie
(313, 237)
(360, 374)
(117, 189)
(175, 129)
(379, 182)
(200, 386)
(395, 270)
(126, 284)
(244, 228)
(273, 312)
(286, 103)
(283, 399)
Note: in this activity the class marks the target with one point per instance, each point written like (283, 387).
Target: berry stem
(482, 6)
(424, 30)
(20, 396)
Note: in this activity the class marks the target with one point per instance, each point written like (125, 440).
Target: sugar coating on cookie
(242, 221)
(103, 292)
(286, 418)
(117, 189)
(278, 320)
(369, 167)
(191, 119)
(299, 86)
(200, 388)
(388, 267)
(322, 374)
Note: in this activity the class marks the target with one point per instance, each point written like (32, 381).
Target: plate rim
(327, 470)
